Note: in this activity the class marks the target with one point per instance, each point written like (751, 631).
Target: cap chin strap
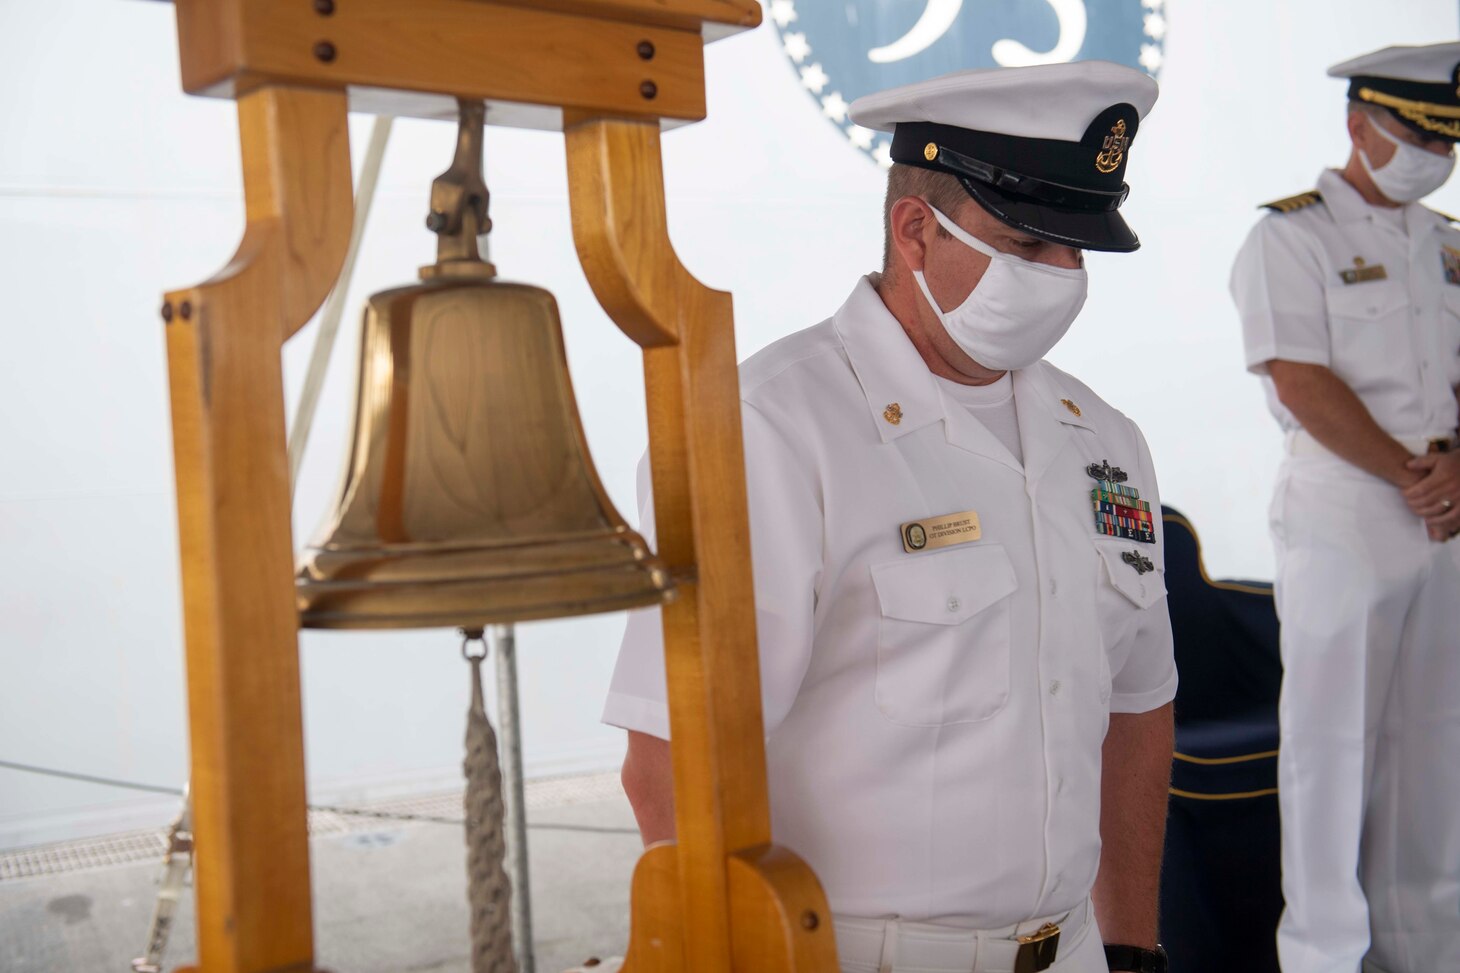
(1039, 190)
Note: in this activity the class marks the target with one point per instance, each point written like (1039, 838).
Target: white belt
(898, 946)
(1301, 443)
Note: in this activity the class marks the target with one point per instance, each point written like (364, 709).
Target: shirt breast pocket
(1367, 327)
(1370, 300)
(943, 642)
(1451, 338)
(1123, 596)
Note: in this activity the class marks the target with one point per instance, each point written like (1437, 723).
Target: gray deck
(388, 895)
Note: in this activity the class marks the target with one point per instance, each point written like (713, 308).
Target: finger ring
(1446, 504)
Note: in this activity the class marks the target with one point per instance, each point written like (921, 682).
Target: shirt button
(1143, 589)
(1054, 688)
(1053, 586)
(954, 604)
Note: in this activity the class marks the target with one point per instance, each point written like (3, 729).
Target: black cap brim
(1084, 229)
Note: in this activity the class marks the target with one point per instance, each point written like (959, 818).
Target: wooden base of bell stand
(778, 915)
(291, 969)
(722, 899)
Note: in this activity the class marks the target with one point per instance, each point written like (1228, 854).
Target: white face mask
(1019, 310)
(1412, 173)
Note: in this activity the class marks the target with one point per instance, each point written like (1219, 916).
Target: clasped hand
(1435, 496)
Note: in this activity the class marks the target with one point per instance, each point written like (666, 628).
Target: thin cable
(356, 812)
(91, 779)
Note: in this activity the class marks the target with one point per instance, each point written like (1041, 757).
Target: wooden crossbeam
(528, 61)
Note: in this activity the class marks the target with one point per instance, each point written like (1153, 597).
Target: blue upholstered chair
(1220, 894)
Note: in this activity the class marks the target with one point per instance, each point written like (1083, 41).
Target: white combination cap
(1042, 148)
(1420, 86)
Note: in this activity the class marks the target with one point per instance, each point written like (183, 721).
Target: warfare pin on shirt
(1119, 509)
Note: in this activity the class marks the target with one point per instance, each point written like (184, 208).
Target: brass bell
(468, 497)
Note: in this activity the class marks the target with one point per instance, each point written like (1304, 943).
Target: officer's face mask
(1412, 173)
(1019, 310)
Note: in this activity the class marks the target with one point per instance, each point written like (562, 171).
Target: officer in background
(1350, 302)
(965, 651)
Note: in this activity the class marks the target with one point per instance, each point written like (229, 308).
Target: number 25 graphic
(939, 15)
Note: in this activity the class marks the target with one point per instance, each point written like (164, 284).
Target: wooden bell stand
(608, 73)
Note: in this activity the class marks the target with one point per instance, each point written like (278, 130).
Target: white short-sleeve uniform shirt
(1308, 291)
(933, 719)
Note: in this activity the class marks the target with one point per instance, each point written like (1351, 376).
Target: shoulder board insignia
(1294, 203)
(1446, 217)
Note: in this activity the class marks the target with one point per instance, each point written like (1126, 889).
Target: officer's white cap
(1043, 101)
(1419, 86)
(1042, 148)
(1431, 63)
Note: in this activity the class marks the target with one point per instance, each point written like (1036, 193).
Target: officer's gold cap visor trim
(1419, 112)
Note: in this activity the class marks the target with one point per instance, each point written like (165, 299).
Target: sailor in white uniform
(965, 650)
(1350, 302)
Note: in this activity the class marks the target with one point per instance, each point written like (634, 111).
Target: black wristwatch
(1133, 959)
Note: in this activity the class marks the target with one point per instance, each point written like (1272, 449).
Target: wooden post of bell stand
(722, 899)
(224, 339)
(725, 864)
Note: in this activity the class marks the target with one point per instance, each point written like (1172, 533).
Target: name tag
(944, 531)
(1359, 273)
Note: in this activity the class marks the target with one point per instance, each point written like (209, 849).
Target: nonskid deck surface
(390, 891)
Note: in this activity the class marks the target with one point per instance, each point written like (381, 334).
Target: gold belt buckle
(1037, 951)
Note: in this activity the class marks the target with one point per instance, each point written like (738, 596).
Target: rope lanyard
(488, 890)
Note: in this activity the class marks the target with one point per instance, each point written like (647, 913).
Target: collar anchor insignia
(1137, 560)
(1104, 471)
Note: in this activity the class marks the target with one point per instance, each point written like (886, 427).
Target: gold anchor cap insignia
(1112, 150)
(893, 413)
(1071, 406)
(930, 151)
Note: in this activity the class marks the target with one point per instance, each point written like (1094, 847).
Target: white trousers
(1369, 770)
(898, 946)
